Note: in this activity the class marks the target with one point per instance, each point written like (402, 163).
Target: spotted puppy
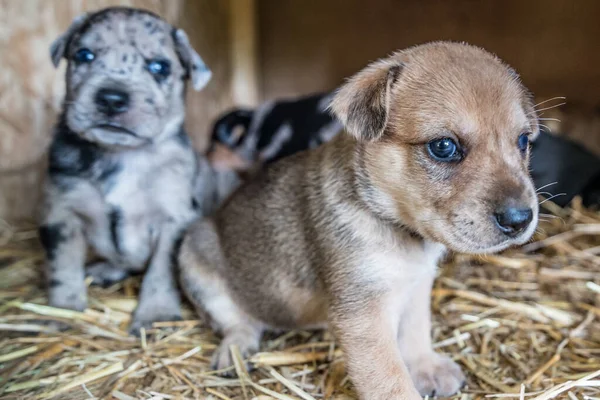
(435, 157)
(122, 170)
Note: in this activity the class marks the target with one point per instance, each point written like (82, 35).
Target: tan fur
(357, 226)
(223, 158)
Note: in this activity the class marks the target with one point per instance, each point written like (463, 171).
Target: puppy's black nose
(513, 221)
(112, 101)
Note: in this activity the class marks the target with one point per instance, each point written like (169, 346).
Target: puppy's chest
(402, 266)
(125, 186)
(131, 188)
(386, 257)
(398, 264)
(144, 182)
(137, 200)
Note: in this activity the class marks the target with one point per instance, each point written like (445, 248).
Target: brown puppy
(349, 234)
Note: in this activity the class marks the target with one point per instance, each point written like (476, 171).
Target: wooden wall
(31, 89)
(312, 45)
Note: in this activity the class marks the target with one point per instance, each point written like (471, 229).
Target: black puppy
(277, 129)
(561, 166)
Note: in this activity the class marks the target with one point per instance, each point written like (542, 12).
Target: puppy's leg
(239, 332)
(63, 240)
(367, 333)
(105, 274)
(432, 373)
(159, 299)
(210, 297)
(208, 292)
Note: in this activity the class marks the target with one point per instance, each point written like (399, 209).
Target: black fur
(115, 216)
(305, 116)
(51, 236)
(109, 173)
(295, 114)
(575, 170)
(591, 193)
(223, 128)
(176, 249)
(54, 283)
(71, 156)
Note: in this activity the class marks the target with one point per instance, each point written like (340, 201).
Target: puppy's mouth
(114, 135)
(115, 128)
(495, 243)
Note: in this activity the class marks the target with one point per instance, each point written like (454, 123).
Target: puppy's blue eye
(444, 149)
(84, 55)
(523, 142)
(159, 68)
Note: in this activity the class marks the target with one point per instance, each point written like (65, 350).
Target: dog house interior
(524, 321)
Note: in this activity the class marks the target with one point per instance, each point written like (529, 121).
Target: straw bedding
(523, 324)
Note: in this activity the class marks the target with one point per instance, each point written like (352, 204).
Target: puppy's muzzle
(112, 101)
(513, 221)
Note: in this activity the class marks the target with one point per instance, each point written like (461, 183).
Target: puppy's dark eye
(523, 142)
(444, 149)
(84, 55)
(159, 68)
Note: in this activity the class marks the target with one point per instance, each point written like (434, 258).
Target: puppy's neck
(365, 194)
(173, 127)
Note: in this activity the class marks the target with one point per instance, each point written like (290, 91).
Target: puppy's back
(263, 223)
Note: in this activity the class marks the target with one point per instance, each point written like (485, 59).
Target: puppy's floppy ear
(58, 48)
(197, 70)
(528, 105)
(532, 117)
(362, 104)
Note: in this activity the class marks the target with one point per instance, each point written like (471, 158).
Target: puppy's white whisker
(543, 215)
(552, 197)
(546, 108)
(545, 186)
(550, 119)
(545, 193)
(549, 100)
(546, 127)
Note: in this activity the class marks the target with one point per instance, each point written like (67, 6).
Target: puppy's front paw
(144, 317)
(221, 358)
(104, 274)
(68, 299)
(436, 375)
